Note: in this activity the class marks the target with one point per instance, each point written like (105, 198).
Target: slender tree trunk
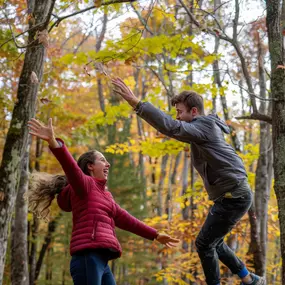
(99, 40)
(168, 199)
(33, 233)
(33, 250)
(276, 49)
(161, 184)
(262, 178)
(51, 229)
(19, 254)
(24, 109)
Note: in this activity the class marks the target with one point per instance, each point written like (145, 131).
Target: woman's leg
(108, 278)
(88, 268)
(78, 270)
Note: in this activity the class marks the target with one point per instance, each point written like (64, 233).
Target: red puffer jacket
(95, 213)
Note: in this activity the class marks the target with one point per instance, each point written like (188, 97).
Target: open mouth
(106, 172)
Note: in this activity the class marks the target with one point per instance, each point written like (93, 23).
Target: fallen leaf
(2, 195)
(34, 78)
(86, 70)
(280, 67)
(99, 66)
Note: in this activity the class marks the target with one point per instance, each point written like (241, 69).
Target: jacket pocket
(94, 230)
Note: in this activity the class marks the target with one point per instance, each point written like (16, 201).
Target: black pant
(223, 215)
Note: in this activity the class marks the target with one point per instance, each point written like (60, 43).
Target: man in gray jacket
(221, 169)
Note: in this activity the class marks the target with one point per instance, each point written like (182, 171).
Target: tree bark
(19, 254)
(24, 109)
(276, 49)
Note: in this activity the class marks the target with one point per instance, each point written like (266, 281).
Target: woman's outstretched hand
(167, 240)
(46, 133)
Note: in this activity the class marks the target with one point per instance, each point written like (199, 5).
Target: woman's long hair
(43, 187)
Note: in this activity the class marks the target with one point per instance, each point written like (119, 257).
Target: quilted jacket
(94, 211)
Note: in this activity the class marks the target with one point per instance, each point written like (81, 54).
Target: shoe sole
(262, 281)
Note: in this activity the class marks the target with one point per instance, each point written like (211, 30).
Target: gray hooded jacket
(221, 169)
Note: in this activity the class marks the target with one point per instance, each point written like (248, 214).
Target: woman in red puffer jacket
(94, 212)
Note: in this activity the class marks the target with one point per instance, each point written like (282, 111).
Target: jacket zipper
(94, 230)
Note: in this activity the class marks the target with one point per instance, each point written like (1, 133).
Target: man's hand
(167, 240)
(124, 91)
(46, 133)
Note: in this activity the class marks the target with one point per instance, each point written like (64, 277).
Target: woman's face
(100, 168)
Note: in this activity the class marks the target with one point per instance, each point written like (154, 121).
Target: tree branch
(59, 19)
(235, 44)
(142, 20)
(14, 37)
(256, 116)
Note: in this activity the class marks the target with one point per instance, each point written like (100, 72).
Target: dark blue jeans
(91, 268)
(223, 216)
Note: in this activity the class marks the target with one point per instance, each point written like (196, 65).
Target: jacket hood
(223, 126)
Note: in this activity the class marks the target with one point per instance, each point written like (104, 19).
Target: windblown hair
(42, 190)
(190, 99)
(43, 187)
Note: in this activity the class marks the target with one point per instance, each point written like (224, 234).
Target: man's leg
(222, 217)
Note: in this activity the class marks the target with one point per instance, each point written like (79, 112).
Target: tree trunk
(262, 178)
(33, 249)
(19, 254)
(99, 40)
(36, 222)
(276, 49)
(161, 184)
(168, 199)
(24, 109)
(51, 229)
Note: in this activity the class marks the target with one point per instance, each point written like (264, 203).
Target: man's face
(183, 115)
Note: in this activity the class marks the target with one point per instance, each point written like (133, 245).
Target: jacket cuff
(137, 107)
(61, 145)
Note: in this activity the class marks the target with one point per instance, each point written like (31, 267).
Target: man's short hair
(190, 99)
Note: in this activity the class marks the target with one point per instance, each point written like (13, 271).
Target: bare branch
(142, 20)
(191, 16)
(235, 21)
(100, 38)
(59, 19)
(12, 33)
(256, 116)
(235, 44)
(29, 30)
